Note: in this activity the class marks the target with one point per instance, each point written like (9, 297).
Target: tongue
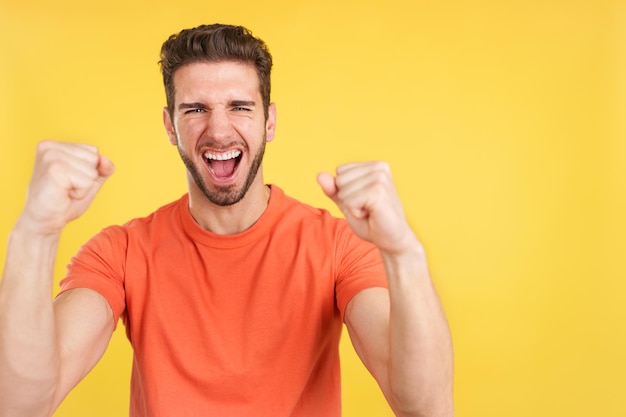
(223, 169)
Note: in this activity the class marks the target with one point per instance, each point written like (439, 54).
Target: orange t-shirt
(236, 325)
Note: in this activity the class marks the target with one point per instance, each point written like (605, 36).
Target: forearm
(421, 359)
(29, 355)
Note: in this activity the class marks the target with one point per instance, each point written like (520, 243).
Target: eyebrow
(183, 106)
(238, 103)
(234, 103)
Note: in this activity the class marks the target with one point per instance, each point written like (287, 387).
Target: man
(234, 296)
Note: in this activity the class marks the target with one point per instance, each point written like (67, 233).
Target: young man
(234, 296)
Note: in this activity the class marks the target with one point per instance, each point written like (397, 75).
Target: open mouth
(223, 164)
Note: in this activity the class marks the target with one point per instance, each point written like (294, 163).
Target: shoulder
(322, 227)
(116, 237)
(166, 213)
(314, 222)
(295, 208)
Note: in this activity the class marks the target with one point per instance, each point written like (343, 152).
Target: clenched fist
(367, 197)
(65, 180)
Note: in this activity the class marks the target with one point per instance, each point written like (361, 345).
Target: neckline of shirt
(205, 237)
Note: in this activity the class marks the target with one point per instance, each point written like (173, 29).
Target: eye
(242, 108)
(194, 110)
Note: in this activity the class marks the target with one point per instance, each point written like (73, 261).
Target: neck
(233, 219)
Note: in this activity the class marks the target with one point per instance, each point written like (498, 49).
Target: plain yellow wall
(503, 122)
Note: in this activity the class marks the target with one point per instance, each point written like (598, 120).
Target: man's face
(219, 127)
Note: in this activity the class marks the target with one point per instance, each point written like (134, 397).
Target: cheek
(190, 129)
(253, 130)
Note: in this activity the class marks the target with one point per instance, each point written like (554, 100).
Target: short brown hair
(215, 43)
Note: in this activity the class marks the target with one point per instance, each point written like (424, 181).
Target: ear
(270, 123)
(169, 127)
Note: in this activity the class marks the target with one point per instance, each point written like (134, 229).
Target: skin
(47, 347)
(218, 108)
(400, 334)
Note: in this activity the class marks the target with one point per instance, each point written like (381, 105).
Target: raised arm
(46, 347)
(400, 334)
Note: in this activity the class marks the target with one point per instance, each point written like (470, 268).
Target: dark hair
(215, 43)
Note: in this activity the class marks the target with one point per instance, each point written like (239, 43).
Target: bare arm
(46, 347)
(401, 334)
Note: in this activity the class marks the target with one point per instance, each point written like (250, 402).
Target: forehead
(216, 78)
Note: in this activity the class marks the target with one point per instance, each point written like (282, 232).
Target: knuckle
(56, 167)
(43, 148)
(45, 144)
(379, 177)
(52, 156)
(381, 172)
(382, 166)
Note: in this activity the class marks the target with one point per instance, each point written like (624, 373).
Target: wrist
(28, 229)
(406, 247)
(31, 255)
(407, 263)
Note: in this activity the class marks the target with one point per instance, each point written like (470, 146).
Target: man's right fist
(65, 180)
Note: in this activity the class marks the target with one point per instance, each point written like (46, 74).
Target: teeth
(222, 156)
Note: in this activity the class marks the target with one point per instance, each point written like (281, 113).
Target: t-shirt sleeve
(359, 266)
(99, 265)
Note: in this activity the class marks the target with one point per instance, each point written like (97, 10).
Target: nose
(219, 126)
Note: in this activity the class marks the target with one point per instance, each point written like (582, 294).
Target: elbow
(24, 393)
(22, 405)
(441, 410)
(435, 405)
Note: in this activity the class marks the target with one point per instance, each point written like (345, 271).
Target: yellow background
(503, 122)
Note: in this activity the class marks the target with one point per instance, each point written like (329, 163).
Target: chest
(251, 295)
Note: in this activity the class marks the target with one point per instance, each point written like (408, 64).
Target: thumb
(105, 168)
(327, 182)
